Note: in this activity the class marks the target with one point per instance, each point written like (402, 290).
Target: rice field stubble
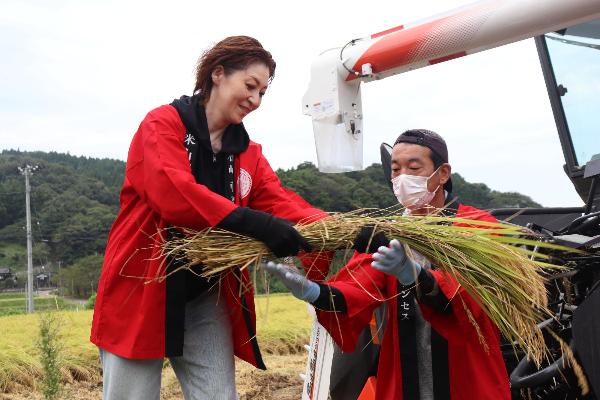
(283, 327)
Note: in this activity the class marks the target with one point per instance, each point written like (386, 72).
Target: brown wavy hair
(234, 53)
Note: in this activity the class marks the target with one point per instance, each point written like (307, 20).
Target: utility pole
(59, 279)
(28, 171)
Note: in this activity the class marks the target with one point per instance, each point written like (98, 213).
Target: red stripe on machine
(383, 33)
(394, 49)
(448, 58)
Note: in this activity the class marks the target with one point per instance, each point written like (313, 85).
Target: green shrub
(50, 347)
(89, 304)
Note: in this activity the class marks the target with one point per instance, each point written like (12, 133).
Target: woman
(191, 164)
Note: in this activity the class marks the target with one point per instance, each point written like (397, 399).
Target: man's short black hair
(437, 160)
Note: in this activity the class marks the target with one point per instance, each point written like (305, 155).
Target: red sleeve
(364, 289)
(455, 325)
(475, 214)
(270, 196)
(316, 264)
(159, 170)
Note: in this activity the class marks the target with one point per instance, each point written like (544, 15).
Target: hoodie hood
(191, 110)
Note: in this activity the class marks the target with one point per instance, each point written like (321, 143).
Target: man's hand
(301, 288)
(393, 260)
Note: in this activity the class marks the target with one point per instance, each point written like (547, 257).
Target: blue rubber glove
(301, 288)
(393, 260)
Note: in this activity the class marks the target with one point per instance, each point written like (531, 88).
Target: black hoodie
(210, 169)
(216, 172)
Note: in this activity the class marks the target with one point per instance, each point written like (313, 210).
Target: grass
(43, 302)
(283, 326)
(19, 355)
(12, 295)
(16, 303)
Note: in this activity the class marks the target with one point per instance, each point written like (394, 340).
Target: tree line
(74, 201)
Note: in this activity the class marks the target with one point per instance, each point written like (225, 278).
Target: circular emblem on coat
(244, 183)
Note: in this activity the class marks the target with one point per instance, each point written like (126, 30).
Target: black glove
(278, 234)
(366, 235)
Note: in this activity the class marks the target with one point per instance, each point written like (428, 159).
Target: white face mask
(411, 190)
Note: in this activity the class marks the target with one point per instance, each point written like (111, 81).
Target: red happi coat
(473, 373)
(159, 190)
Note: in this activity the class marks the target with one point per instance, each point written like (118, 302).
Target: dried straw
(492, 261)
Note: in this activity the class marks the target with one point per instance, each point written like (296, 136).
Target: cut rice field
(283, 327)
(20, 366)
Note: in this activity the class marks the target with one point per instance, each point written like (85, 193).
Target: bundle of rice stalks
(494, 262)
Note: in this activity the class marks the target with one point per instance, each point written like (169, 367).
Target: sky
(79, 77)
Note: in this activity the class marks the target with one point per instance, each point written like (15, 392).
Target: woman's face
(239, 93)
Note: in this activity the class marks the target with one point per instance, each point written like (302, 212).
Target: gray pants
(205, 371)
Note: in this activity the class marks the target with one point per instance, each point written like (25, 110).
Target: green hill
(368, 188)
(74, 201)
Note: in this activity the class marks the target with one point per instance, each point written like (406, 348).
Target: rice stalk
(489, 260)
(569, 359)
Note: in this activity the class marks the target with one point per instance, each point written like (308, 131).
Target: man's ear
(217, 74)
(445, 172)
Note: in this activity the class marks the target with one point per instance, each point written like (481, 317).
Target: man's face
(413, 159)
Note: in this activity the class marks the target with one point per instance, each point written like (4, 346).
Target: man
(430, 349)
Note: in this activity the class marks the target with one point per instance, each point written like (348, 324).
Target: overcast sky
(79, 76)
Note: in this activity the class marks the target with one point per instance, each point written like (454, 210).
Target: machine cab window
(571, 64)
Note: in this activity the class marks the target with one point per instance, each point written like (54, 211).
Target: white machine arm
(333, 97)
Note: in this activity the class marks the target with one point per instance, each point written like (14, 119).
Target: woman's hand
(278, 234)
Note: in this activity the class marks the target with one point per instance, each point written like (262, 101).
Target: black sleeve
(278, 234)
(330, 299)
(368, 240)
(428, 292)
